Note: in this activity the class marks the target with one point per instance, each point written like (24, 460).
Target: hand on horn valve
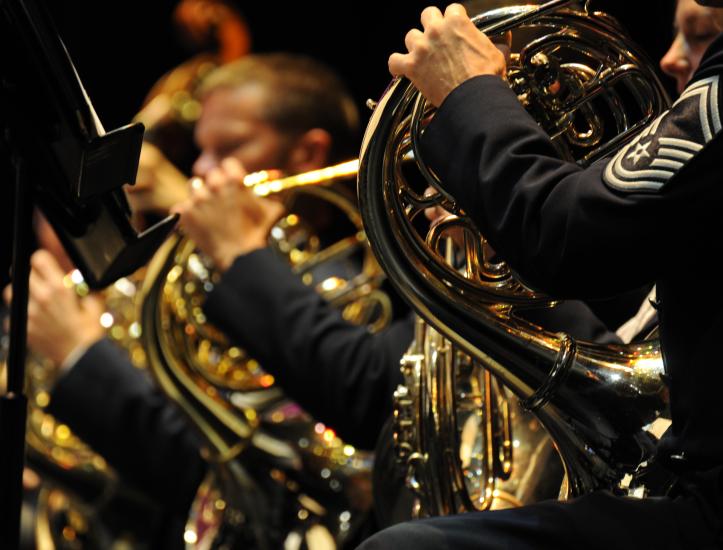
(60, 323)
(226, 219)
(450, 51)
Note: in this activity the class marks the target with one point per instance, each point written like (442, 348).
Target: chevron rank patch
(661, 150)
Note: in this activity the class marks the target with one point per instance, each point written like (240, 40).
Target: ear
(310, 151)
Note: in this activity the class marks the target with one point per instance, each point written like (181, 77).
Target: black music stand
(73, 170)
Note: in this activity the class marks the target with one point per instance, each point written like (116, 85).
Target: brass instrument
(77, 487)
(75, 482)
(588, 86)
(253, 434)
(504, 457)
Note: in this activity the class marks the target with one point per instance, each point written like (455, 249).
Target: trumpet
(296, 240)
(270, 182)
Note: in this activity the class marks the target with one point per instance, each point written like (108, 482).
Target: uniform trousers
(596, 521)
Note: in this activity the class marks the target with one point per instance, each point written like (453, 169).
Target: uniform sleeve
(340, 373)
(114, 407)
(567, 230)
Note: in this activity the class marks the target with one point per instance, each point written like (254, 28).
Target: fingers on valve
(215, 179)
(456, 11)
(43, 262)
(233, 168)
(398, 64)
(199, 190)
(40, 292)
(430, 16)
(414, 40)
(196, 183)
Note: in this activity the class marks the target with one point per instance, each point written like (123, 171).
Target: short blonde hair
(301, 94)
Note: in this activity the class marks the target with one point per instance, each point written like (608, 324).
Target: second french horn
(257, 441)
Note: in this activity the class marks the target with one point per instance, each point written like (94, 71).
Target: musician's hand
(450, 51)
(226, 219)
(436, 215)
(59, 321)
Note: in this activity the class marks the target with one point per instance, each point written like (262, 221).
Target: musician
(313, 353)
(339, 372)
(275, 110)
(579, 232)
(696, 27)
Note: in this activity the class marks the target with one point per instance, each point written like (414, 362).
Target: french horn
(503, 459)
(77, 490)
(588, 86)
(256, 441)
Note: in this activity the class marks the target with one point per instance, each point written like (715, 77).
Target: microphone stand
(13, 404)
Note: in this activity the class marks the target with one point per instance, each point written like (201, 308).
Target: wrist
(65, 357)
(74, 356)
(224, 256)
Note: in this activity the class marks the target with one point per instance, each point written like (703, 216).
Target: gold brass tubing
(268, 182)
(489, 482)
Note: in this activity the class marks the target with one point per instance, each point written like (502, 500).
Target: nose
(676, 63)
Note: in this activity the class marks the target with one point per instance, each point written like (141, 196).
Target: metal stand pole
(13, 405)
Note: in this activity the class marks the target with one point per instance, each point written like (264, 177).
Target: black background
(120, 48)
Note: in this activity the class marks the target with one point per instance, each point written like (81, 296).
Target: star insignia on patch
(649, 161)
(641, 150)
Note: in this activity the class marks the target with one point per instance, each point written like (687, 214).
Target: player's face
(695, 28)
(231, 125)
